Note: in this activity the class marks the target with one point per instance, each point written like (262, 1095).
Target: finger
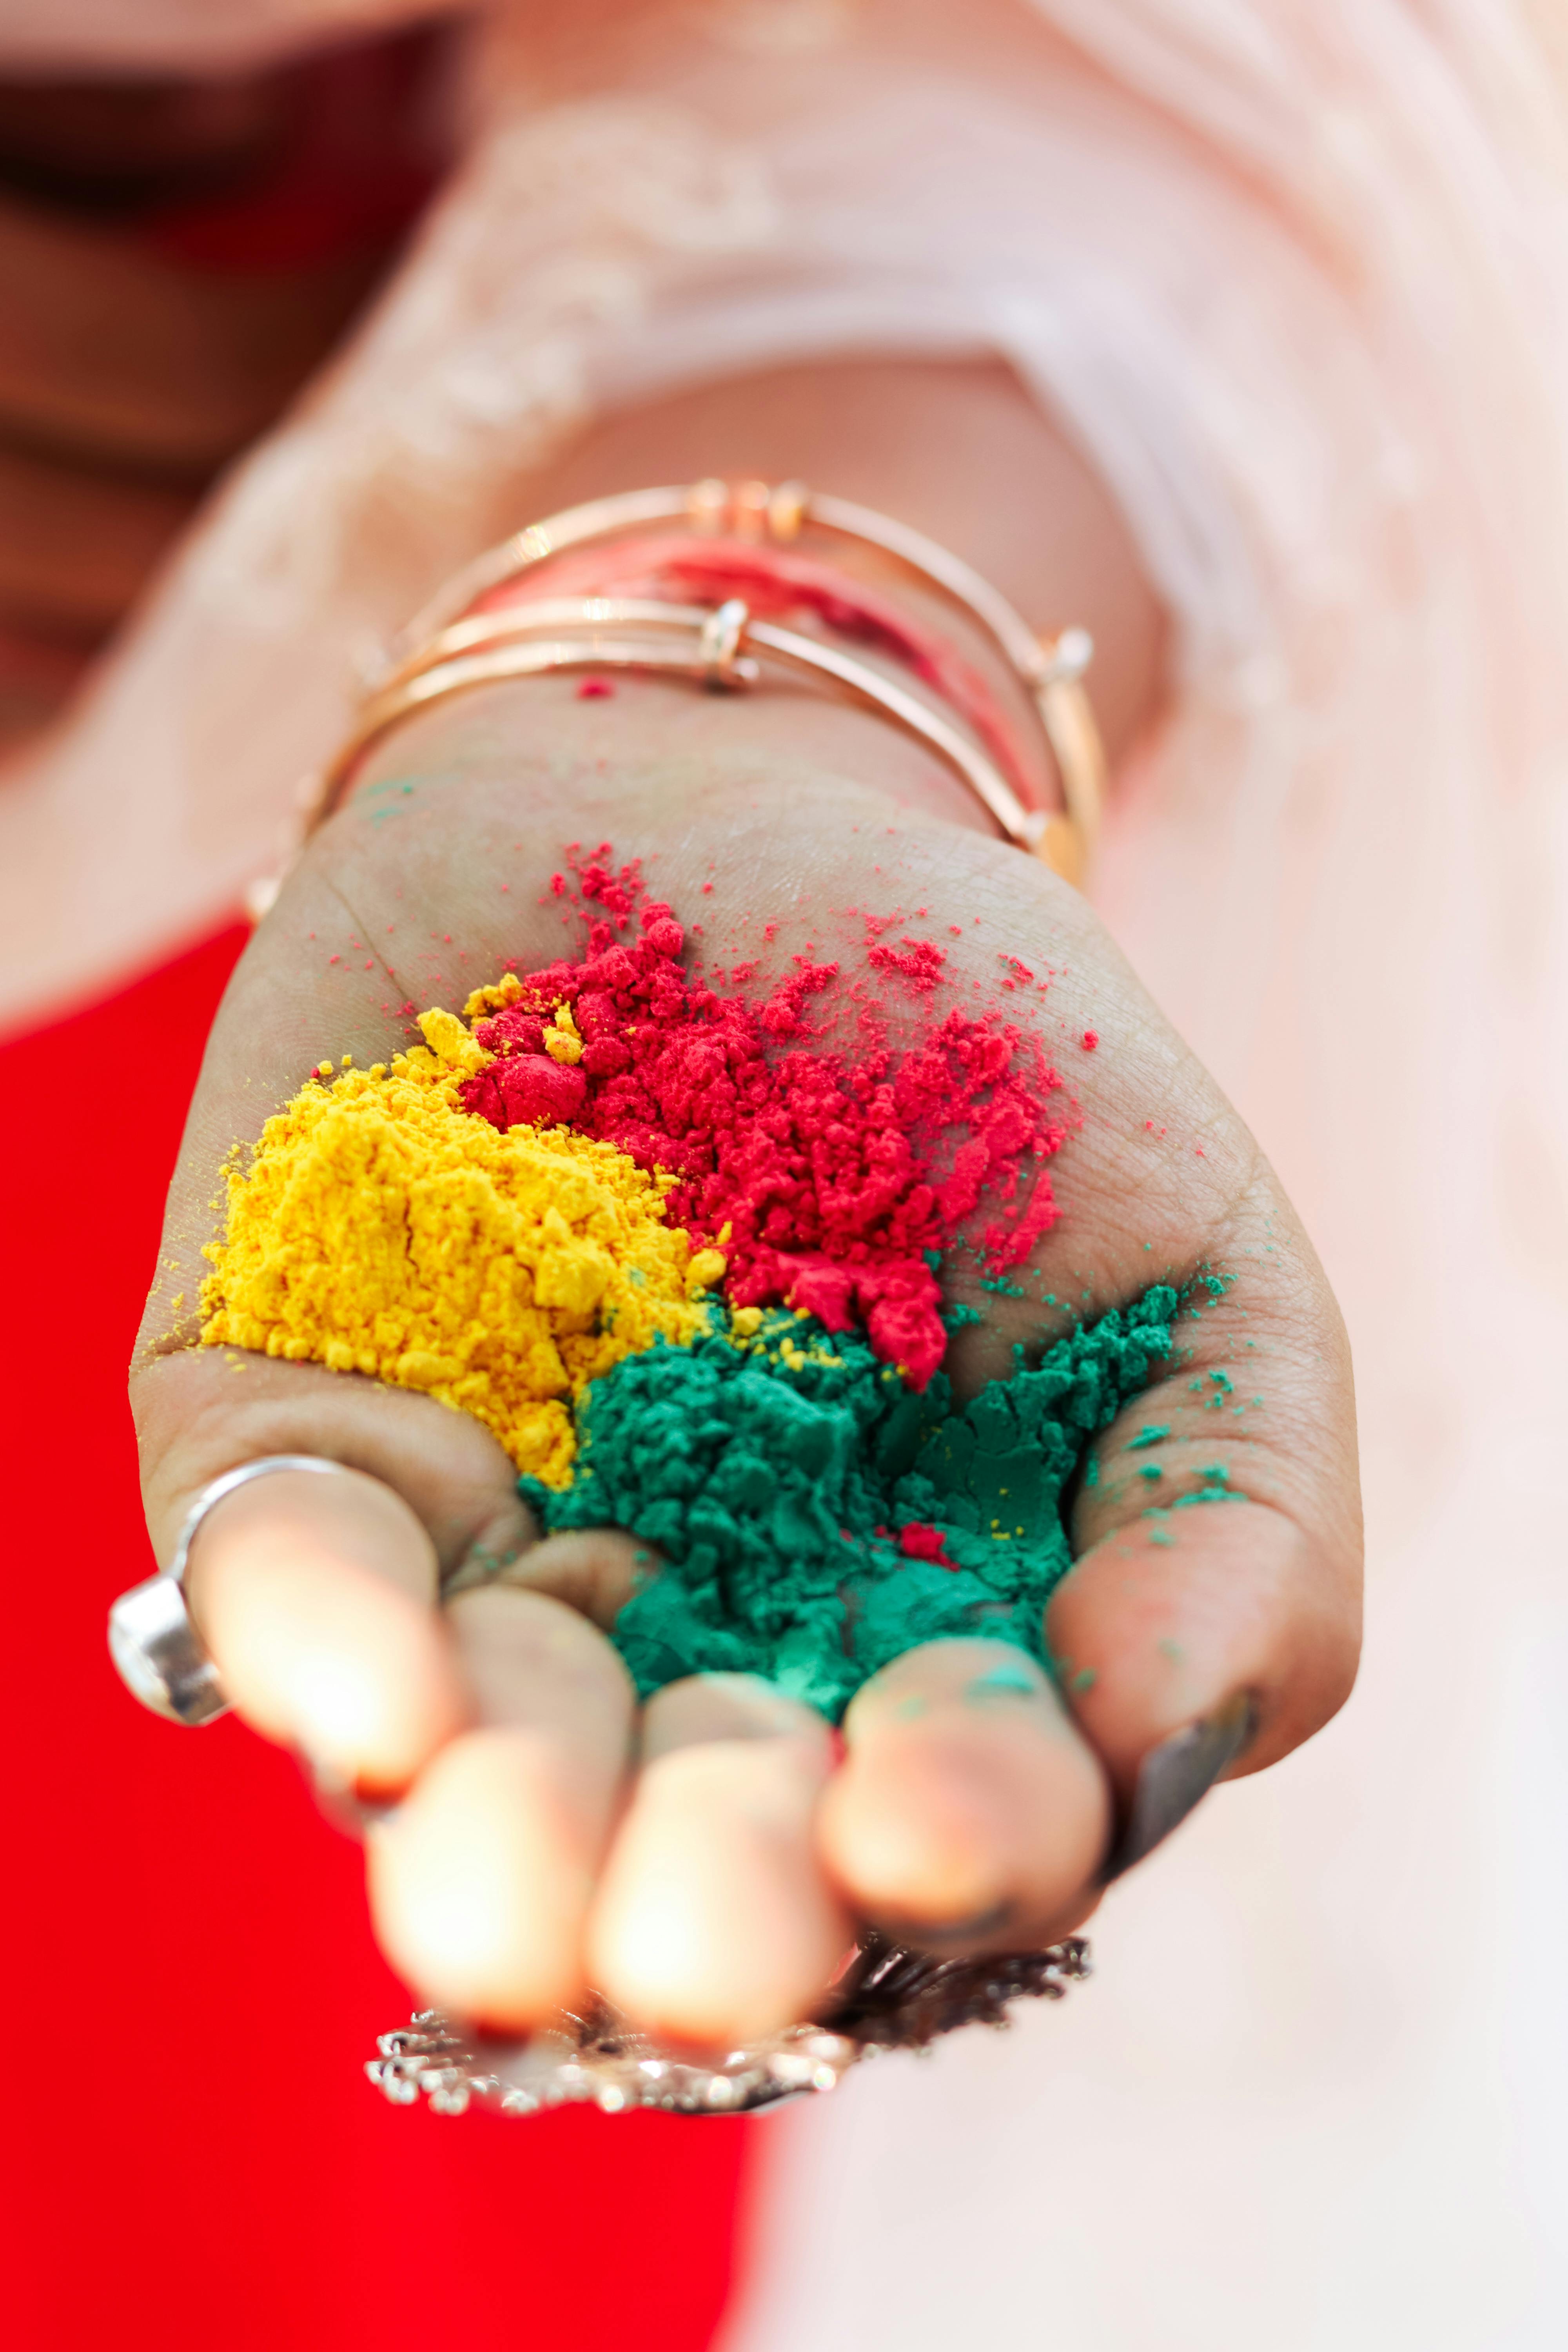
(1192, 1651)
(969, 1815)
(1215, 1598)
(595, 1571)
(315, 1597)
(480, 1881)
(360, 1673)
(713, 1924)
(201, 1412)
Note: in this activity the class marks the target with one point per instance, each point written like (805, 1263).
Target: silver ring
(157, 1651)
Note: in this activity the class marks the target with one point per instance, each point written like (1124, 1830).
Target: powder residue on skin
(829, 1181)
(776, 1480)
(380, 1229)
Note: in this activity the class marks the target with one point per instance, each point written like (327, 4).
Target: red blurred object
(365, 143)
(194, 2156)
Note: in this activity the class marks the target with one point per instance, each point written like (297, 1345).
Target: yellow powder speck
(449, 1043)
(706, 1270)
(381, 1229)
(561, 1042)
(499, 994)
(323, 1069)
(745, 1322)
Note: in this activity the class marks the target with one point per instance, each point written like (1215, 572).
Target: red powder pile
(837, 1181)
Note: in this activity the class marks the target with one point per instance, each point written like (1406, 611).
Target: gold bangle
(448, 649)
(525, 643)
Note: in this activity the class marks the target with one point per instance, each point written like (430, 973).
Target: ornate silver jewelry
(157, 1651)
(887, 1999)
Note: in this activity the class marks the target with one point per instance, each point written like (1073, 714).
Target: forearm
(961, 451)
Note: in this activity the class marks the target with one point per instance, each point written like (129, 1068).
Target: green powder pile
(816, 1517)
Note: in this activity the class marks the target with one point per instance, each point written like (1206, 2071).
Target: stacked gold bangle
(450, 648)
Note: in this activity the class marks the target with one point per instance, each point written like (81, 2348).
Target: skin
(706, 1864)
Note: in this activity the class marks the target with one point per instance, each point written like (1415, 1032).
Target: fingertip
(967, 1811)
(1160, 1629)
(315, 1596)
(479, 1881)
(713, 1923)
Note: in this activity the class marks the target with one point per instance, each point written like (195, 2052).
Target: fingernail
(923, 1933)
(1173, 1776)
(342, 1802)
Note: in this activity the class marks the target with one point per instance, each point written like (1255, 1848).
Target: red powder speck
(835, 1176)
(595, 690)
(446, 937)
(370, 964)
(957, 930)
(919, 963)
(708, 890)
(558, 884)
(1091, 1039)
(918, 1541)
(331, 959)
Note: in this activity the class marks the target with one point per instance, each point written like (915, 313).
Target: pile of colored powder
(522, 1217)
(381, 1229)
(830, 1183)
(816, 1516)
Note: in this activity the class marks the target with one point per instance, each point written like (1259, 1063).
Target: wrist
(543, 755)
(731, 587)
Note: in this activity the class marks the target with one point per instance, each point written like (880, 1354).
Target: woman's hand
(704, 1860)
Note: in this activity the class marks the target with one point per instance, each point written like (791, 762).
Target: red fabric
(195, 2155)
(365, 143)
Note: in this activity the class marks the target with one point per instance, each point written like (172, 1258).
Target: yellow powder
(561, 1042)
(381, 1229)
